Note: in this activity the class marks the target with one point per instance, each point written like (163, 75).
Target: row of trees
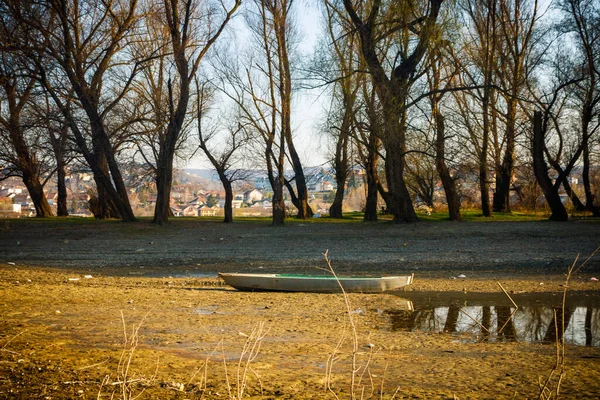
(416, 89)
(461, 83)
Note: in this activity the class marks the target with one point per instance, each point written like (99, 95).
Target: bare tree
(82, 52)
(413, 26)
(261, 88)
(19, 143)
(343, 61)
(224, 158)
(540, 126)
(518, 20)
(190, 43)
(582, 21)
(440, 63)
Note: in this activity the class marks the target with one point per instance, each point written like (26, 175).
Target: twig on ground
(3, 348)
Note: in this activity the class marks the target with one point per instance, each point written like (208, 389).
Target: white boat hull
(316, 284)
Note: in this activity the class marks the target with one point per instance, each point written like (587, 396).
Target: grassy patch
(477, 216)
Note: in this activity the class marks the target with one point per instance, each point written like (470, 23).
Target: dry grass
(551, 384)
(362, 381)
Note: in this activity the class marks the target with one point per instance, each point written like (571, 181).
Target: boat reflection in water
(488, 317)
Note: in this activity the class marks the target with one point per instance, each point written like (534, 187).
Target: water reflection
(493, 318)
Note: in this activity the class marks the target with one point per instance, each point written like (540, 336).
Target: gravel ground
(204, 247)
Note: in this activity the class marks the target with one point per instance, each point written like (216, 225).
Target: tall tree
(518, 19)
(19, 151)
(18, 148)
(439, 63)
(280, 15)
(582, 21)
(83, 52)
(343, 60)
(540, 127)
(222, 157)
(185, 20)
(413, 25)
(483, 16)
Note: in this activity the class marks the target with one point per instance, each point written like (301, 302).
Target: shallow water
(536, 318)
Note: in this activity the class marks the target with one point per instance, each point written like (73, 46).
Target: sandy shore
(65, 336)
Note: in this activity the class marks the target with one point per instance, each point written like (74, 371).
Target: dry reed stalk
(204, 377)
(355, 378)
(250, 351)
(550, 389)
(124, 380)
(513, 313)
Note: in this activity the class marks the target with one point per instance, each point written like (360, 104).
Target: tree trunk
(26, 161)
(341, 164)
(29, 167)
(559, 213)
(36, 192)
(448, 182)
(112, 193)
(399, 202)
(484, 188)
(585, 174)
(61, 204)
(579, 206)
(110, 203)
(228, 200)
(164, 179)
(341, 175)
(373, 184)
(278, 203)
(102, 205)
(227, 187)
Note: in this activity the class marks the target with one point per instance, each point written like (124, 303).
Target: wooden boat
(314, 283)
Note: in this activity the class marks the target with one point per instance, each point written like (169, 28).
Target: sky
(308, 106)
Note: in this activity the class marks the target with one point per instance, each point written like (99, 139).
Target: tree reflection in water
(531, 323)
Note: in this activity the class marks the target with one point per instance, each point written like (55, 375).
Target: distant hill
(204, 178)
(209, 174)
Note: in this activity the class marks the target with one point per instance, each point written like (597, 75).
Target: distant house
(205, 211)
(266, 204)
(198, 201)
(190, 211)
(252, 196)
(177, 210)
(22, 199)
(52, 198)
(238, 199)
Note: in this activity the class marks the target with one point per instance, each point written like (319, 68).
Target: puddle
(493, 317)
